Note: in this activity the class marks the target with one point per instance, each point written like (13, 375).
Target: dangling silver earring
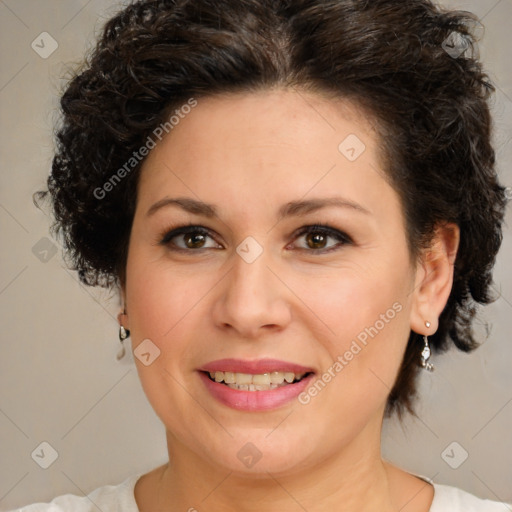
(425, 353)
(123, 334)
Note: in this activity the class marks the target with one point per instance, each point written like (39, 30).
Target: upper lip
(254, 367)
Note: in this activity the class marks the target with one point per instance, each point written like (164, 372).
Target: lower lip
(255, 400)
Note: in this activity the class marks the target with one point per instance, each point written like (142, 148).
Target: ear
(434, 278)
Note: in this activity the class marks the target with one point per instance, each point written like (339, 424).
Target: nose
(252, 300)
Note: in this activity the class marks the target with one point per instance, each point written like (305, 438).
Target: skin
(250, 154)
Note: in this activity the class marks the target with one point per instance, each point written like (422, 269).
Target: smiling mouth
(256, 382)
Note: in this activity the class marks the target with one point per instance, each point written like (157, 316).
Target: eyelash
(323, 229)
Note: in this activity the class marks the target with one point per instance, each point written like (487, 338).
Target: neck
(355, 478)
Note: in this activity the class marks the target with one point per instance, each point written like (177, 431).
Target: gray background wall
(60, 381)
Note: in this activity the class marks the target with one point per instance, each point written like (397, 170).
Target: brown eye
(188, 237)
(194, 241)
(316, 238)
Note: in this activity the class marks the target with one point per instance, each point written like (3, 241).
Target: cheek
(161, 308)
(364, 315)
(349, 302)
(159, 298)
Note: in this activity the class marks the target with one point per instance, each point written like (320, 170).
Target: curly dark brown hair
(390, 57)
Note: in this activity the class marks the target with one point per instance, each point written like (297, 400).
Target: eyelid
(170, 233)
(324, 229)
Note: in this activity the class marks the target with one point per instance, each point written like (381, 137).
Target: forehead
(283, 116)
(265, 147)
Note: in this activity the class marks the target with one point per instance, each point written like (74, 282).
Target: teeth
(277, 377)
(258, 382)
(289, 377)
(243, 378)
(261, 380)
(229, 377)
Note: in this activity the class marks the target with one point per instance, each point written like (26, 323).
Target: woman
(297, 201)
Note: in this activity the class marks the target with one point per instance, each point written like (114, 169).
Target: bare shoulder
(146, 489)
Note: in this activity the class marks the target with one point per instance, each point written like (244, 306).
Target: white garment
(121, 498)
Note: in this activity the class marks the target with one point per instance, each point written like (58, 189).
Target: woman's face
(248, 290)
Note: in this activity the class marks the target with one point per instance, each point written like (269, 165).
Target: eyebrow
(293, 208)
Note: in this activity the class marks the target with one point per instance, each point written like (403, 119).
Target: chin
(256, 454)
